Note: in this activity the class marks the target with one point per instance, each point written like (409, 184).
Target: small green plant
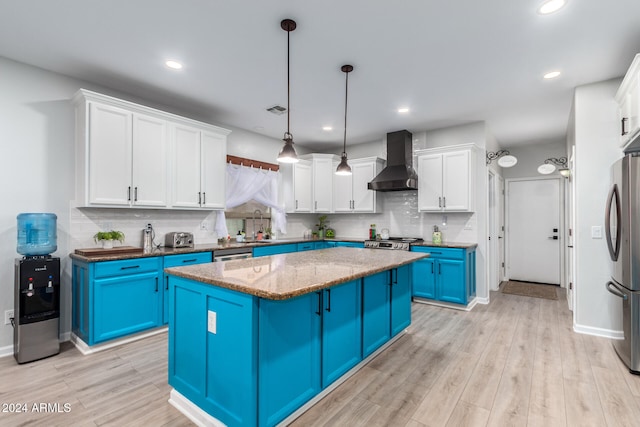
(109, 235)
(322, 222)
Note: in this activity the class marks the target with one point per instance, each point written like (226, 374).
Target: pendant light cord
(346, 94)
(288, 85)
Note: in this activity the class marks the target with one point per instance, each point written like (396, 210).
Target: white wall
(38, 146)
(532, 155)
(596, 140)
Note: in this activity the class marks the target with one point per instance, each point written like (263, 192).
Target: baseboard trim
(598, 332)
(203, 419)
(85, 349)
(6, 351)
(460, 307)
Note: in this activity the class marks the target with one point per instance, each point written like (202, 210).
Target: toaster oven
(177, 239)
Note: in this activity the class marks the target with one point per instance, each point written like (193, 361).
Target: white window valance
(248, 183)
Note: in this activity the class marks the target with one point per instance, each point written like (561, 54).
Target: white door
(501, 233)
(492, 245)
(213, 170)
(150, 149)
(455, 181)
(533, 230)
(109, 155)
(430, 183)
(186, 167)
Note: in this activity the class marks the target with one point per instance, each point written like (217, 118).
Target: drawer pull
(434, 252)
(130, 267)
(189, 260)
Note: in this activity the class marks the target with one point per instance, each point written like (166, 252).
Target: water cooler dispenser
(37, 289)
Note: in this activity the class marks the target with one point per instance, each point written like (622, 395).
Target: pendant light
(344, 168)
(288, 152)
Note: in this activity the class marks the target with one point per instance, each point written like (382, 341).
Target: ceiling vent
(278, 110)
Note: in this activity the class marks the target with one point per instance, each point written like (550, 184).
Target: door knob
(553, 237)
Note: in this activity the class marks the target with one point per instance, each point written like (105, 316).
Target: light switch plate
(596, 232)
(212, 322)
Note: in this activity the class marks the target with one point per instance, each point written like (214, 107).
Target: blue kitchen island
(252, 341)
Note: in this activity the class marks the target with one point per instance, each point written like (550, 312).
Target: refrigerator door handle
(614, 197)
(614, 289)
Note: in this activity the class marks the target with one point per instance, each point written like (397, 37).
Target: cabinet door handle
(189, 260)
(622, 123)
(204, 198)
(328, 300)
(439, 202)
(129, 267)
(135, 194)
(296, 204)
(199, 198)
(167, 285)
(315, 206)
(319, 311)
(439, 268)
(444, 202)
(431, 268)
(128, 193)
(156, 284)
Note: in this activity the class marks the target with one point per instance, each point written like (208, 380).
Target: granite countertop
(285, 276)
(447, 245)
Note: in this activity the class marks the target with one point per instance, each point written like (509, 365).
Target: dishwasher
(232, 254)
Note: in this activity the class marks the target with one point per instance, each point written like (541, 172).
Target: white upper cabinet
(302, 186)
(445, 180)
(628, 99)
(350, 192)
(124, 156)
(150, 171)
(322, 181)
(198, 168)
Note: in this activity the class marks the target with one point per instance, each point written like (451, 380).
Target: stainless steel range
(393, 243)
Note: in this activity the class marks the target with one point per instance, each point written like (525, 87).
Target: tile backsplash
(399, 214)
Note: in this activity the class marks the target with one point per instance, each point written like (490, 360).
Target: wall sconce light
(549, 166)
(505, 159)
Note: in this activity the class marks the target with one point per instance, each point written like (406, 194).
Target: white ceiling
(451, 62)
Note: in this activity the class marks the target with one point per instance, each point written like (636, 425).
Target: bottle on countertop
(437, 236)
(372, 232)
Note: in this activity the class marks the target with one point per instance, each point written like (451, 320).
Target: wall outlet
(8, 315)
(204, 225)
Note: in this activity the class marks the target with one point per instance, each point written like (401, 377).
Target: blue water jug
(37, 233)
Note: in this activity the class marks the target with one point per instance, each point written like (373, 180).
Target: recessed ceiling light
(403, 110)
(327, 128)
(173, 64)
(551, 6)
(551, 75)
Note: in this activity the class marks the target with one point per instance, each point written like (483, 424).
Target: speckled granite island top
(285, 276)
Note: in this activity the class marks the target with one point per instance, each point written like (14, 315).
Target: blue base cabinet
(341, 330)
(448, 275)
(288, 355)
(179, 261)
(249, 361)
(269, 249)
(113, 299)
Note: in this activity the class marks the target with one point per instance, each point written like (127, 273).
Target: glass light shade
(565, 172)
(343, 168)
(507, 161)
(551, 6)
(546, 169)
(288, 153)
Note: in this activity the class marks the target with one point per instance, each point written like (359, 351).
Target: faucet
(254, 222)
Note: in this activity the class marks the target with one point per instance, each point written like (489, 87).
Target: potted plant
(322, 224)
(107, 238)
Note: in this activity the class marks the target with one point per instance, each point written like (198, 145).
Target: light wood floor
(515, 362)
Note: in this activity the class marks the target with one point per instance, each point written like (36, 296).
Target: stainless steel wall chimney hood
(399, 174)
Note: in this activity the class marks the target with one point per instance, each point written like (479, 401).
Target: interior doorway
(535, 231)
(495, 246)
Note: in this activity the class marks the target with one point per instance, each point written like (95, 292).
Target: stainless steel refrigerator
(622, 229)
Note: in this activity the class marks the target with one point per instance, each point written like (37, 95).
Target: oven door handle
(614, 289)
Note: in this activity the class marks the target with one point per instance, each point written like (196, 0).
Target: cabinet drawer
(126, 266)
(306, 246)
(186, 259)
(438, 252)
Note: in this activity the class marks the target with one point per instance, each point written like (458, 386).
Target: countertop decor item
(437, 236)
(329, 233)
(344, 168)
(288, 153)
(107, 238)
